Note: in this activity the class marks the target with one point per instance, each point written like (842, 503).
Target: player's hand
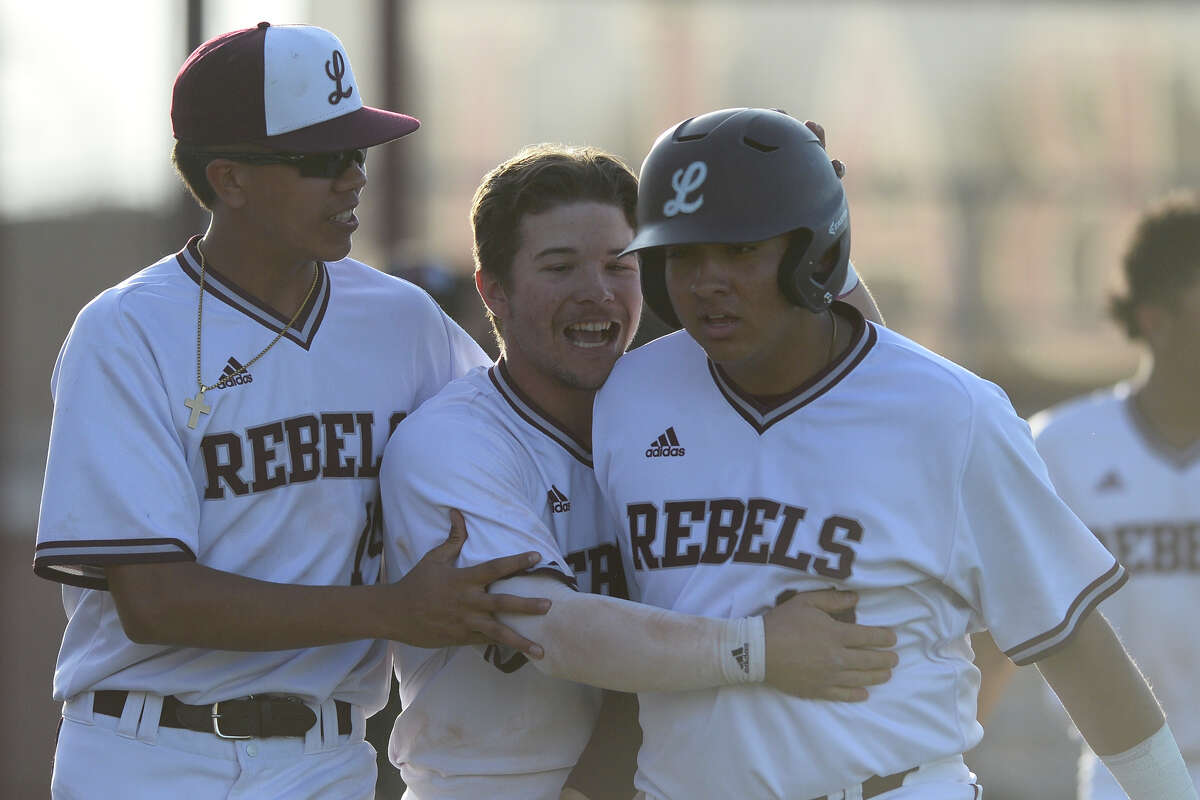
(569, 793)
(815, 650)
(839, 168)
(445, 605)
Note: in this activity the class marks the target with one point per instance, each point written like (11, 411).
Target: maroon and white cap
(286, 87)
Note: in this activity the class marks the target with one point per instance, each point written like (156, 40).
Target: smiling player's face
(572, 303)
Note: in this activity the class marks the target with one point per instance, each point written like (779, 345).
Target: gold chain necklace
(196, 405)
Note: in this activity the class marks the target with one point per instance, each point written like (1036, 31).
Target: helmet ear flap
(810, 279)
(652, 262)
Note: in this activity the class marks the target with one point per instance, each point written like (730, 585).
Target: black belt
(258, 716)
(876, 785)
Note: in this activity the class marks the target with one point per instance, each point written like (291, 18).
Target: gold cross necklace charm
(196, 405)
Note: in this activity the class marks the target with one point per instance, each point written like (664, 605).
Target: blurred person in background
(1127, 461)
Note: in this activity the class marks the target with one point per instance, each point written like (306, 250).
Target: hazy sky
(85, 90)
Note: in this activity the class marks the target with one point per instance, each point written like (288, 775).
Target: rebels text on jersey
(275, 485)
(894, 473)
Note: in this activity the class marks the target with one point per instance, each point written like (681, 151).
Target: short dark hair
(191, 164)
(537, 179)
(1163, 257)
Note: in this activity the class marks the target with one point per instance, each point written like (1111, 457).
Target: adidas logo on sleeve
(557, 500)
(666, 445)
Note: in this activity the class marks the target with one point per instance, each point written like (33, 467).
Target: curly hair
(1163, 257)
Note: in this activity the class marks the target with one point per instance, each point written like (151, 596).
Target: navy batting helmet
(744, 175)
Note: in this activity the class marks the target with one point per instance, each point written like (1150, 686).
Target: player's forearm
(1102, 689)
(1116, 712)
(630, 647)
(189, 605)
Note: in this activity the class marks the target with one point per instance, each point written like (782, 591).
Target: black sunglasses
(311, 165)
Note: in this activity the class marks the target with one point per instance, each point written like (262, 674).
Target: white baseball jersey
(893, 472)
(278, 481)
(483, 722)
(1141, 497)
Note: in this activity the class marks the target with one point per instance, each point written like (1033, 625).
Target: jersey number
(370, 542)
(494, 655)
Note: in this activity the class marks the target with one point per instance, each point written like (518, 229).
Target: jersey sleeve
(1053, 448)
(117, 488)
(438, 460)
(1022, 559)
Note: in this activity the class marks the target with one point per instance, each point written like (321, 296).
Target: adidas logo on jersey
(742, 656)
(1111, 482)
(558, 501)
(234, 374)
(666, 445)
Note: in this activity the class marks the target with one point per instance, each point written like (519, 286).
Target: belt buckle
(216, 722)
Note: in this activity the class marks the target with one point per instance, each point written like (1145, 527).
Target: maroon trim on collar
(218, 286)
(532, 413)
(761, 413)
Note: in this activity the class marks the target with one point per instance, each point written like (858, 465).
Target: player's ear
(227, 179)
(491, 291)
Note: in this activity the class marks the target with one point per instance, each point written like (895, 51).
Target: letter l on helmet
(744, 175)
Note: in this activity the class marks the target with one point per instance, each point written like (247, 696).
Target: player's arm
(797, 647)
(1115, 710)
(435, 604)
(996, 671)
(854, 291)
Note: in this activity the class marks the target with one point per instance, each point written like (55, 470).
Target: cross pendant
(197, 406)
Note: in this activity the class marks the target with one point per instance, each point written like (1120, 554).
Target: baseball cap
(286, 87)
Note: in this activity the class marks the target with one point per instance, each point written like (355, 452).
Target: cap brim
(365, 127)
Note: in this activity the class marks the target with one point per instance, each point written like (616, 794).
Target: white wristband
(1153, 769)
(743, 650)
